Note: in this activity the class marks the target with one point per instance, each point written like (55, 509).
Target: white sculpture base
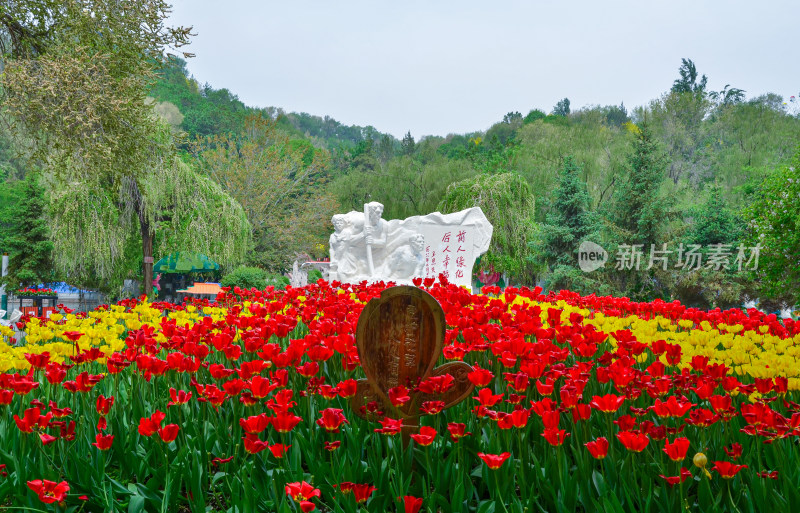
(366, 247)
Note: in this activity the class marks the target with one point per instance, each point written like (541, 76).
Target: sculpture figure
(407, 261)
(344, 264)
(364, 246)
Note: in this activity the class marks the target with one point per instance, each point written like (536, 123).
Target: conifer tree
(638, 217)
(638, 208)
(569, 222)
(30, 249)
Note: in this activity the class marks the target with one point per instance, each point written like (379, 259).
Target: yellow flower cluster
(748, 353)
(103, 329)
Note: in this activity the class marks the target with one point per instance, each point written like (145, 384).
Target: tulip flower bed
(581, 404)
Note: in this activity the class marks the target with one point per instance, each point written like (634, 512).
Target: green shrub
(245, 278)
(314, 275)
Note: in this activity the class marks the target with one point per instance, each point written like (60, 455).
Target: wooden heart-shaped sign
(399, 339)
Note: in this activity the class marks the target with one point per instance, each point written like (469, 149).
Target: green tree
(569, 222)
(283, 192)
(714, 222)
(508, 204)
(728, 96)
(639, 206)
(773, 219)
(687, 83)
(561, 108)
(28, 243)
(533, 115)
(96, 231)
(513, 118)
(638, 214)
(408, 144)
(76, 80)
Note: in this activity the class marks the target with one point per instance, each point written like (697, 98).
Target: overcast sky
(438, 67)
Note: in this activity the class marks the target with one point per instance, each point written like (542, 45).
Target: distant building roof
(203, 289)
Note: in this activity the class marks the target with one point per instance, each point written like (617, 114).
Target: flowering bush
(581, 404)
(35, 292)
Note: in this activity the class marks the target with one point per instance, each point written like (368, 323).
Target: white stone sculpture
(364, 246)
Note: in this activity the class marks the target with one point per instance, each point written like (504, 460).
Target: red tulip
(308, 370)
(104, 404)
(149, 425)
(390, 426)
(253, 444)
(672, 407)
(486, 398)
(735, 452)
(103, 442)
(285, 422)
(362, 492)
(178, 397)
(457, 430)
(301, 492)
(399, 395)
(219, 461)
(494, 461)
(6, 396)
(432, 407)
(425, 437)
(609, 403)
(347, 388)
(519, 418)
(677, 449)
(720, 403)
(411, 504)
(255, 424)
(332, 420)
(672, 481)
(59, 413)
(480, 377)
(49, 491)
(38, 361)
(727, 469)
(555, 437)
(32, 419)
(47, 439)
(279, 450)
(598, 448)
(436, 385)
(168, 433)
(633, 441)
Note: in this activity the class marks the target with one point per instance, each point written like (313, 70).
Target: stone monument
(364, 246)
(400, 337)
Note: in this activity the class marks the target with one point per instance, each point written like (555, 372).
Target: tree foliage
(508, 204)
(773, 220)
(281, 190)
(561, 108)
(96, 231)
(688, 83)
(76, 78)
(28, 243)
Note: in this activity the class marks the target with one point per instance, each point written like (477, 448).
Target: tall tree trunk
(147, 251)
(147, 241)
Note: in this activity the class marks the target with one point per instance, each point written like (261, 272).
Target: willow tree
(507, 201)
(169, 210)
(75, 78)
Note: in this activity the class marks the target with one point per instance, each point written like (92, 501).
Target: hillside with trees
(693, 167)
